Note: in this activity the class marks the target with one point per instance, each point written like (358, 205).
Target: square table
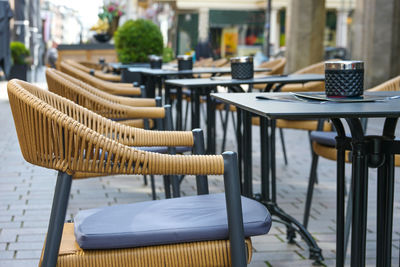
(367, 151)
(151, 77)
(206, 86)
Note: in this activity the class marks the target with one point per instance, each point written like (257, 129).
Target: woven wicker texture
(97, 73)
(130, 101)
(91, 65)
(206, 253)
(103, 106)
(390, 85)
(56, 133)
(318, 68)
(109, 87)
(277, 67)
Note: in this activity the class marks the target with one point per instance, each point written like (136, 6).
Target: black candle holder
(344, 78)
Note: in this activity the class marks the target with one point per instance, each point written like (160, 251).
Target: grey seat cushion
(324, 138)
(164, 149)
(177, 220)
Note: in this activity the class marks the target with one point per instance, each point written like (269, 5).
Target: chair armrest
(117, 89)
(91, 152)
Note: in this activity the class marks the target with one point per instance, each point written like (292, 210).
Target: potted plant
(136, 40)
(108, 21)
(20, 61)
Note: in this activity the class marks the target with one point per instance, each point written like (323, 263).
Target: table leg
(239, 144)
(385, 200)
(340, 193)
(273, 161)
(167, 100)
(211, 130)
(195, 98)
(179, 109)
(150, 86)
(385, 212)
(265, 159)
(360, 176)
(247, 156)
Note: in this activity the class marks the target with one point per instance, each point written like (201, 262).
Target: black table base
(268, 179)
(374, 152)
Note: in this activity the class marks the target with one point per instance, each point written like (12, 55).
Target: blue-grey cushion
(168, 221)
(324, 138)
(164, 149)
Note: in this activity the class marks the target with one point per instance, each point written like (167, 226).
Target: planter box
(18, 72)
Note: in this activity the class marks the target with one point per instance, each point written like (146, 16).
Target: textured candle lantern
(155, 62)
(242, 68)
(344, 78)
(185, 62)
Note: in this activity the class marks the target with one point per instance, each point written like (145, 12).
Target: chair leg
(225, 127)
(349, 214)
(57, 219)
(312, 154)
(167, 186)
(234, 209)
(145, 180)
(153, 188)
(186, 115)
(283, 146)
(310, 190)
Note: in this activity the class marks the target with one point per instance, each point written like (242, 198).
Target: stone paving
(26, 193)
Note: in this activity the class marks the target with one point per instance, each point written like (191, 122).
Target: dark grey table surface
(226, 81)
(173, 71)
(275, 109)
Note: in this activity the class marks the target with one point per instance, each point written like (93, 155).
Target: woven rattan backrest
(56, 133)
(100, 102)
(86, 77)
(277, 65)
(91, 65)
(77, 65)
(390, 85)
(317, 68)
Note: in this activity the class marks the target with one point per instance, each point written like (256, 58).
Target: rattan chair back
(56, 133)
(97, 73)
(104, 106)
(390, 85)
(277, 66)
(109, 87)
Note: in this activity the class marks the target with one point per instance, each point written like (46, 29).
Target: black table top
(173, 71)
(295, 109)
(222, 81)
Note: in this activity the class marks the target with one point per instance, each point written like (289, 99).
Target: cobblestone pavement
(26, 193)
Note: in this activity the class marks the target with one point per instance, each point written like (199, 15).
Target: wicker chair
(323, 145)
(56, 133)
(110, 107)
(96, 73)
(125, 89)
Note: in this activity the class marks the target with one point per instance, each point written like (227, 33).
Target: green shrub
(136, 40)
(168, 54)
(19, 53)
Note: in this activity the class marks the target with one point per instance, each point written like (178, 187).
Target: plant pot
(18, 72)
(102, 37)
(113, 26)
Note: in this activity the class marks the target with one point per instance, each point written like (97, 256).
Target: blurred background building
(305, 31)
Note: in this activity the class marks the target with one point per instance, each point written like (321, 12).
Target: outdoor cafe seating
(56, 133)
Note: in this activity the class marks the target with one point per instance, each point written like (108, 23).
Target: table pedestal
(268, 178)
(374, 152)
